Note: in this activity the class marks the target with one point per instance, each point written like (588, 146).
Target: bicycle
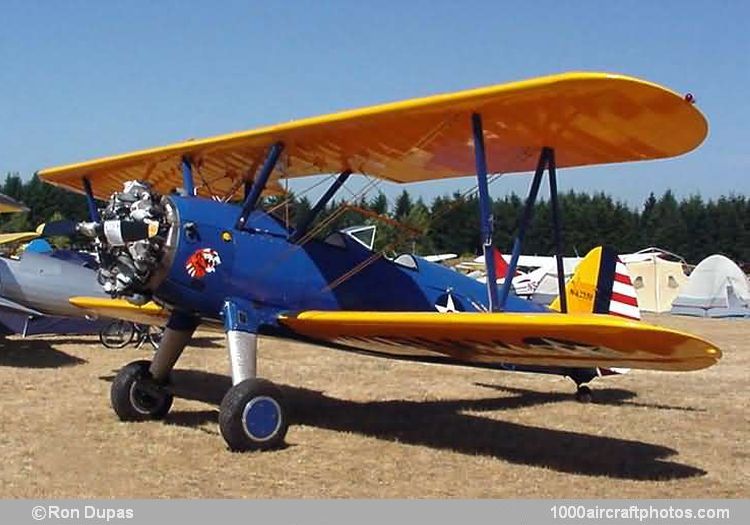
(118, 334)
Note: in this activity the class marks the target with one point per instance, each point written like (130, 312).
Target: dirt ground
(369, 427)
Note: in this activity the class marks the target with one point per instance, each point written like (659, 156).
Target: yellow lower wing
(511, 338)
(150, 313)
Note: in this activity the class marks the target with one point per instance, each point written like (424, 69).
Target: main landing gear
(140, 390)
(136, 396)
(253, 414)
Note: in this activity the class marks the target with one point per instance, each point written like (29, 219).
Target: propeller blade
(118, 233)
(115, 232)
(62, 228)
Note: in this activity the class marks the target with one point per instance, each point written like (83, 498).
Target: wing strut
(546, 162)
(251, 199)
(188, 184)
(485, 210)
(307, 220)
(557, 228)
(90, 202)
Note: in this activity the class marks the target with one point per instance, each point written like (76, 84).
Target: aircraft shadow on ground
(445, 425)
(609, 396)
(206, 342)
(34, 353)
(76, 340)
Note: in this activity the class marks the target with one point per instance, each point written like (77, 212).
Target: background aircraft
(242, 269)
(9, 205)
(535, 277)
(36, 288)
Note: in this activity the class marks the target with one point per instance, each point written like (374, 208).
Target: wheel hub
(144, 399)
(261, 418)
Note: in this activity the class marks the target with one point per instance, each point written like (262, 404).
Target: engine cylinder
(135, 269)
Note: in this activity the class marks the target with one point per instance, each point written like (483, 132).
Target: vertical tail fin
(601, 284)
(624, 301)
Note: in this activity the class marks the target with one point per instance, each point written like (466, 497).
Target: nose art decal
(201, 262)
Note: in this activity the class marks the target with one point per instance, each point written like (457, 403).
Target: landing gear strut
(253, 414)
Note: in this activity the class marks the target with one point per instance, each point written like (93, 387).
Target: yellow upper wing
(567, 340)
(590, 118)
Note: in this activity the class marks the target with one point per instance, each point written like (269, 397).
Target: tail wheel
(253, 416)
(117, 334)
(136, 396)
(584, 394)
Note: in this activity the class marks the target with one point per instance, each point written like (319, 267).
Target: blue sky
(81, 79)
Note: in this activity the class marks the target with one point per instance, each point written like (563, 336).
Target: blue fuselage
(257, 264)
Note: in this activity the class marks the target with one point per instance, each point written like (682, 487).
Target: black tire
(136, 396)
(584, 394)
(117, 334)
(240, 430)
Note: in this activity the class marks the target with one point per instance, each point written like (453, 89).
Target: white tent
(716, 288)
(656, 280)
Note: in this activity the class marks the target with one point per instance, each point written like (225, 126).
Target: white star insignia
(449, 307)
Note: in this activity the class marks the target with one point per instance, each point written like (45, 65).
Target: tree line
(691, 227)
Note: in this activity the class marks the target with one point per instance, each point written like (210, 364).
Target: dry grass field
(369, 427)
